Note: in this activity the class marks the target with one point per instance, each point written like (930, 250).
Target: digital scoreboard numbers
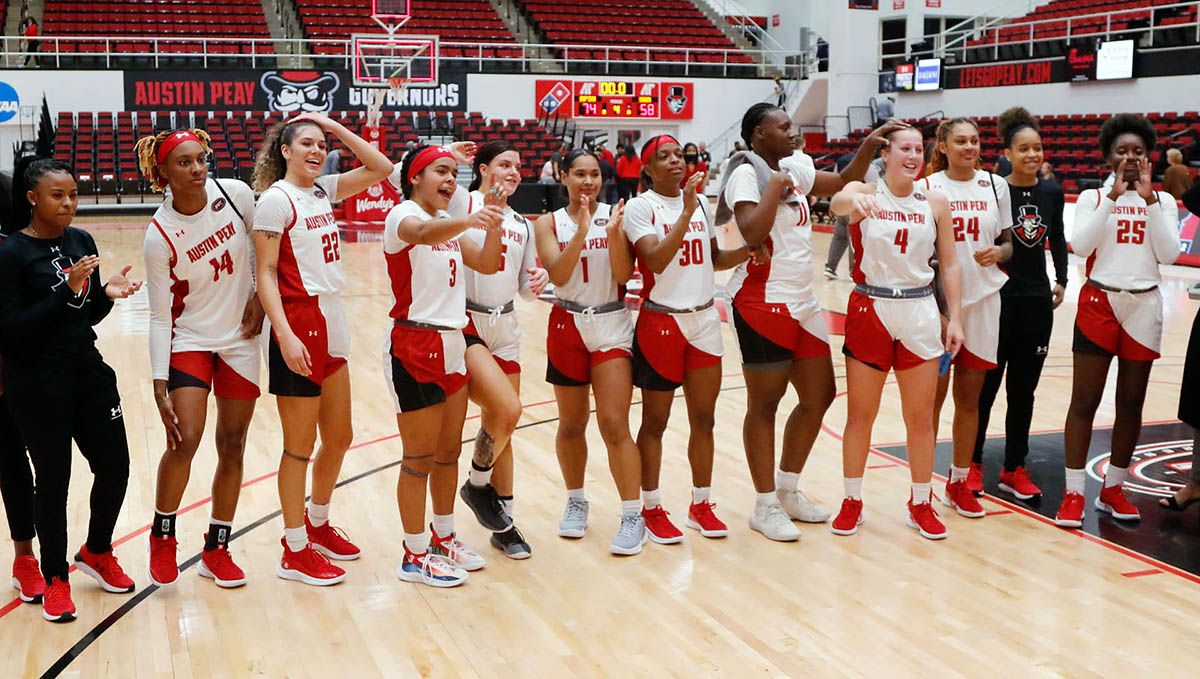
(616, 99)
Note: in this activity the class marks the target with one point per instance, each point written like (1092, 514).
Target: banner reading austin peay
(282, 91)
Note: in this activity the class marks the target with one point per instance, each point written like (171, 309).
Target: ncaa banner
(64, 90)
(279, 90)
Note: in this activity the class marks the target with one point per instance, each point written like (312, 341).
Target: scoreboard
(615, 99)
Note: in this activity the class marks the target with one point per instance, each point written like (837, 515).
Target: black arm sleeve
(1057, 235)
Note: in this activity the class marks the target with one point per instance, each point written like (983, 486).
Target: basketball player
(892, 320)
(781, 328)
(300, 281)
(59, 388)
(1126, 230)
(204, 318)
(424, 356)
(981, 213)
(677, 339)
(1027, 303)
(588, 342)
(493, 338)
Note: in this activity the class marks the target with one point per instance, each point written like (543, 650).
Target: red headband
(425, 158)
(176, 138)
(652, 146)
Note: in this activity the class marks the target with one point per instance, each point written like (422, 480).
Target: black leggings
(53, 405)
(16, 478)
(1025, 324)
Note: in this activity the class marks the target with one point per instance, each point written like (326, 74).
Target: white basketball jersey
(980, 216)
(893, 250)
(787, 277)
(688, 279)
(1125, 241)
(199, 274)
(310, 259)
(517, 255)
(592, 282)
(427, 280)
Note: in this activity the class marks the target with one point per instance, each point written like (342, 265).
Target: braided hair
(146, 150)
(753, 118)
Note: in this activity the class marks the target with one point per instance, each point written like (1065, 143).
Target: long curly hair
(146, 149)
(270, 166)
(939, 161)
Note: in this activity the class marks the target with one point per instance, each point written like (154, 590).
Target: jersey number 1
(222, 263)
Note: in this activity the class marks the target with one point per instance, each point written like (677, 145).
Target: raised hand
(691, 198)
(616, 219)
(866, 205)
(463, 151)
(584, 215)
(488, 217)
(1145, 182)
(496, 196)
(121, 286)
(1119, 185)
(879, 135)
(81, 270)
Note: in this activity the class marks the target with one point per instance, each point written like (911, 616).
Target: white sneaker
(830, 274)
(574, 519)
(452, 548)
(631, 536)
(774, 523)
(800, 508)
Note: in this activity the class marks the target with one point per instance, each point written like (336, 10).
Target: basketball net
(396, 86)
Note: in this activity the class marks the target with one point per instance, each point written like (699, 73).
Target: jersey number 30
(692, 252)
(222, 263)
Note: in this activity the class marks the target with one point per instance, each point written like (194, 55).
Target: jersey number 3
(222, 263)
(1130, 232)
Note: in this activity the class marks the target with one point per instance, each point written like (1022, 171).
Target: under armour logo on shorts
(313, 333)
(1041, 351)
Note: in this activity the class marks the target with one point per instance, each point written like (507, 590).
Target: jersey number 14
(222, 263)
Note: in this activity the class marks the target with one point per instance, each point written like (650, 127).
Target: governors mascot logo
(300, 91)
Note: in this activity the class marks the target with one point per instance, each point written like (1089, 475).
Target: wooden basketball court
(1009, 594)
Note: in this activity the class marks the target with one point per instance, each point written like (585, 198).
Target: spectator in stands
(780, 93)
(692, 164)
(608, 174)
(629, 173)
(550, 170)
(332, 162)
(884, 108)
(29, 29)
(1003, 166)
(1047, 172)
(1177, 179)
(705, 156)
(841, 230)
(603, 153)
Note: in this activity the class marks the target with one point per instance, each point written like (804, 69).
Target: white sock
(508, 506)
(958, 473)
(1075, 479)
(577, 494)
(297, 538)
(479, 478)
(853, 487)
(921, 492)
(630, 507)
(652, 498)
(443, 524)
(700, 495)
(764, 500)
(787, 481)
(417, 543)
(218, 522)
(318, 515)
(1115, 476)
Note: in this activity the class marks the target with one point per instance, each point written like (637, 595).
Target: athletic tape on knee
(294, 456)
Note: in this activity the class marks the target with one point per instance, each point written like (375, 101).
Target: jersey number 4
(966, 227)
(330, 243)
(902, 240)
(222, 263)
(1130, 232)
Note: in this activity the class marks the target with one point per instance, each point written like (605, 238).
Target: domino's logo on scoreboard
(556, 97)
(10, 102)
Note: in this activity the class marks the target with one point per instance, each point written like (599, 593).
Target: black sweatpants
(1025, 324)
(16, 478)
(71, 399)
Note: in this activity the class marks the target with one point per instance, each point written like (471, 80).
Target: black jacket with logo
(1037, 217)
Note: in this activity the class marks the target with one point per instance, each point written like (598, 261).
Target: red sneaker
(975, 479)
(105, 569)
(849, 518)
(659, 527)
(218, 565)
(1018, 483)
(308, 566)
(925, 519)
(1113, 501)
(1070, 512)
(164, 566)
(330, 541)
(27, 579)
(56, 604)
(701, 517)
(962, 500)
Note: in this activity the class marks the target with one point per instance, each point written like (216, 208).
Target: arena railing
(955, 44)
(60, 51)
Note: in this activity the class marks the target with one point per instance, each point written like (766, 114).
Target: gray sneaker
(631, 536)
(574, 519)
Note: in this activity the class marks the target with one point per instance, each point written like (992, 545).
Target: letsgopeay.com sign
(283, 91)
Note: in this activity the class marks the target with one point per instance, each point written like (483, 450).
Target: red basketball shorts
(780, 333)
(666, 346)
(423, 366)
(320, 323)
(230, 373)
(889, 334)
(1123, 324)
(576, 343)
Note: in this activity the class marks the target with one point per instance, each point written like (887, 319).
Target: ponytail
(938, 161)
